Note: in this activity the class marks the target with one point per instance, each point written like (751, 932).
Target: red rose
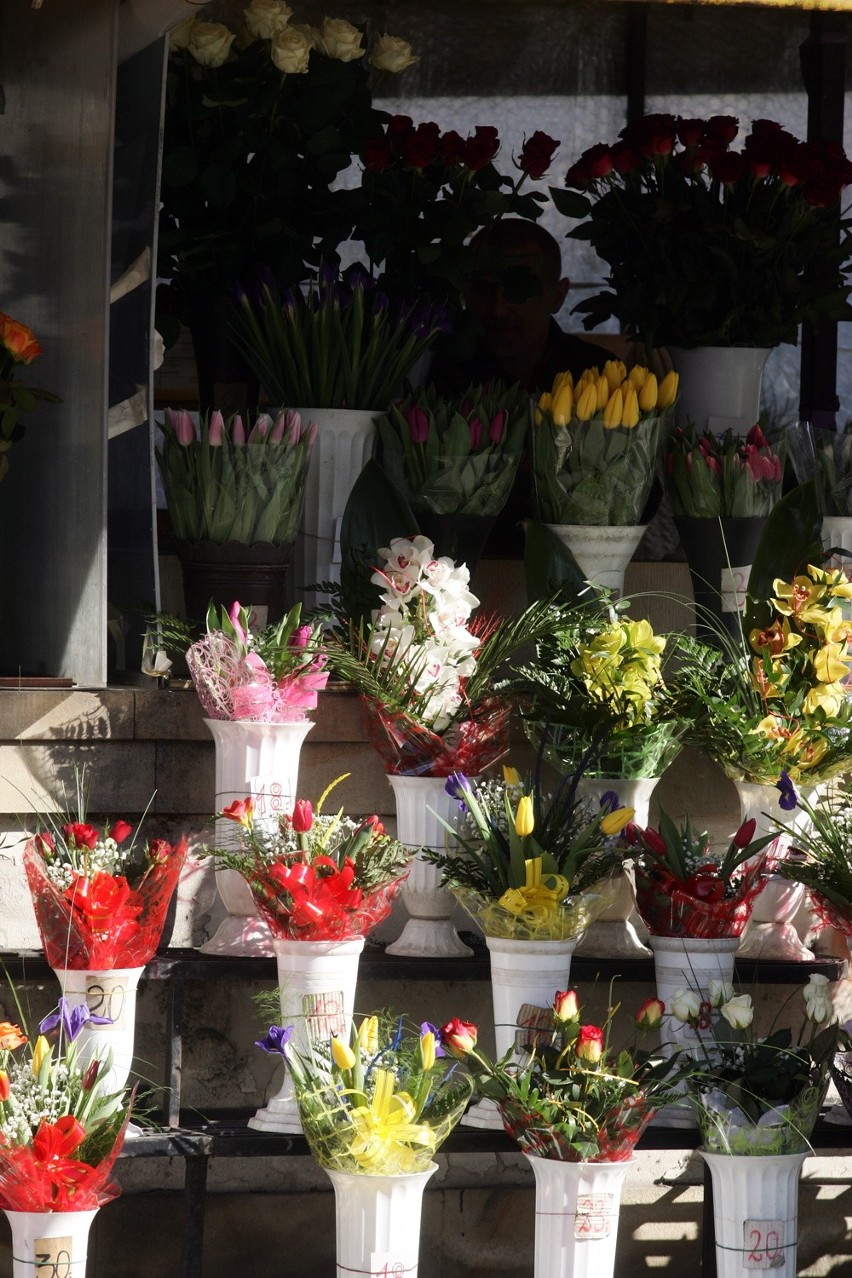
(458, 1037)
(689, 132)
(578, 176)
(420, 148)
(481, 147)
(451, 148)
(120, 831)
(650, 1014)
(18, 340)
(728, 168)
(45, 844)
(159, 851)
(82, 836)
(652, 135)
(590, 1044)
(537, 153)
(399, 127)
(724, 128)
(377, 155)
(566, 1006)
(625, 158)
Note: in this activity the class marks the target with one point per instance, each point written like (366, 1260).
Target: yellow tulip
(368, 1035)
(524, 817)
(341, 1053)
(630, 411)
(587, 404)
(613, 410)
(41, 1052)
(560, 380)
(511, 776)
(667, 394)
(563, 406)
(602, 388)
(427, 1049)
(648, 394)
(615, 372)
(638, 376)
(614, 822)
(545, 401)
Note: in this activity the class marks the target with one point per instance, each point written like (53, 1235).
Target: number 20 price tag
(763, 1244)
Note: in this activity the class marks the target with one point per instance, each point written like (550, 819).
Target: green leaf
(570, 203)
(790, 538)
(549, 567)
(375, 513)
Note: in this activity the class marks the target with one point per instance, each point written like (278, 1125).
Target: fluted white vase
(719, 386)
(316, 983)
(428, 932)
(576, 1217)
(755, 1212)
(50, 1244)
(262, 760)
(378, 1223)
(602, 551)
(111, 993)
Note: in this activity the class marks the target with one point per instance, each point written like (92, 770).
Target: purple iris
(457, 786)
(276, 1040)
(789, 799)
(426, 1027)
(609, 801)
(70, 1020)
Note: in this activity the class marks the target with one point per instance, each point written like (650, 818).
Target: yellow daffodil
(368, 1035)
(524, 816)
(630, 411)
(586, 403)
(511, 775)
(385, 1130)
(648, 394)
(667, 393)
(341, 1053)
(614, 822)
(614, 409)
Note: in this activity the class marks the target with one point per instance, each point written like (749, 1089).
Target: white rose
(179, 35)
(291, 52)
(392, 54)
(338, 39)
(310, 33)
(818, 1004)
(685, 1004)
(719, 992)
(210, 43)
(267, 18)
(738, 1011)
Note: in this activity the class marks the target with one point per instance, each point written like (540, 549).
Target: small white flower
(818, 1004)
(685, 1004)
(738, 1011)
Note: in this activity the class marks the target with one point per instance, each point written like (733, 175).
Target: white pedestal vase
(344, 444)
(837, 533)
(770, 932)
(428, 933)
(602, 552)
(316, 981)
(521, 972)
(50, 1244)
(613, 935)
(576, 1217)
(755, 1212)
(259, 759)
(110, 993)
(683, 962)
(378, 1223)
(719, 386)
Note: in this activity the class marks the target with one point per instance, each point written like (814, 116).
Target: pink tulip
(277, 433)
(418, 424)
(475, 432)
(294, 429)
(311, 438)
(260, 429)
(216, 432)
(238, 430)
(184, 428)
(234, 618)
(498, 424)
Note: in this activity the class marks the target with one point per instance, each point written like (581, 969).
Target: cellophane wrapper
(830, 914)
(26, 1186)
(841, 1074)
(328, 923)
(783, 1129)
(229, 687)
(570, 918)
(70, 942)
(669, 910)
(409, 750)
(619, 1130)
(331, 1132)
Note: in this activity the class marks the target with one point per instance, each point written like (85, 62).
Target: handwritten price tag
(52, 1257)
(763, 1244)
(272, 799)
(733, 587)
(107, 996)
(384, 1265)
(324, 1015)
(594, 1217)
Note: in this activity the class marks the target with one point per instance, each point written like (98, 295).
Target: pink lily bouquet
(270, 676)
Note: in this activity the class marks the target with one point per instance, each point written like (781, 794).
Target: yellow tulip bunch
(618, 397)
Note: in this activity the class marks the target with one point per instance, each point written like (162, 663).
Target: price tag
(733, 587)
(52, 1257)
(763, 1244)
(324, 1015)
(272, 800)
(383, 1264)
(107, 996)
(594, 1217)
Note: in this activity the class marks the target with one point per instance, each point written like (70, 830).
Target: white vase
(770, 932)
(602, 553)
(521, 972)
(344, 444)
(613, 934)
(691, 963)
(576, 1217)
(755, 1212)
(110, 993)
(428, 932)
(262, 760)
(719, 386)
(378, 1222)
(50, 1244)
(316, 983)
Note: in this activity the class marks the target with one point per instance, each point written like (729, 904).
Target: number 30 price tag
(763, 1244)
(52, 1257)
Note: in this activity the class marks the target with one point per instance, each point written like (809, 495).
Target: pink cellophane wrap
(409, 750)
(129, 939)
(299, 904)
(667, 909)
(617, 1135)
(28, 1184)
(231, 686)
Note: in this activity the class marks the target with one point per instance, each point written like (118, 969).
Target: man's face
(515, 302)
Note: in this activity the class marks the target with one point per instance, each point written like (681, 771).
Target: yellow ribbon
(385, 1130)
(539, 897)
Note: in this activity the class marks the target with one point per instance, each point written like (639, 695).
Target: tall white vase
(521, 972)
(602, 552)
(770, 932)
(345, 441)
(576, 1217)
(755, 1212)
(378, 1223)
(719, 386)
(316, 982)
(261, 759)
(428, 933)
(613, 935)
(691, 963)
(106, 993)
(50, 1244)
